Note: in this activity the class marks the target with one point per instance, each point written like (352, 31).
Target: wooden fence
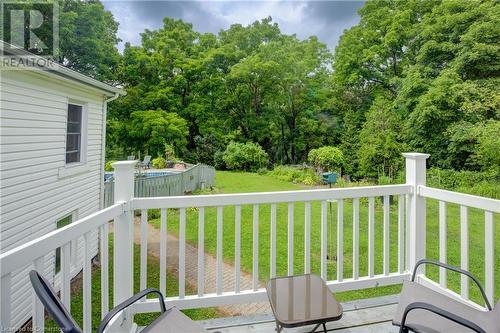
(196, 177)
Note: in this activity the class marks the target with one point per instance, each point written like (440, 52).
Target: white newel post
(123, 255)
(415, 176)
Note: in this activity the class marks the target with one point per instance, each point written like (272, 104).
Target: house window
(59, 224)
(74, 133)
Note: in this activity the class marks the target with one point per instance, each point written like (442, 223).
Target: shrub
(219, 160)
(262, 171)
(170, 153)
(478, 183)
(295, 175)
(108, 167)
(327, 158)
(245, 156)
(159, 162)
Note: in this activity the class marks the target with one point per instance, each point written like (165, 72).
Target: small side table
(302, 300)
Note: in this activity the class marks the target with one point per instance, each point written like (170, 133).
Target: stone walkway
(192, 269)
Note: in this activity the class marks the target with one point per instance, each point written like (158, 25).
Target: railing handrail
(469, 200)
(26, 253)
(213, 200)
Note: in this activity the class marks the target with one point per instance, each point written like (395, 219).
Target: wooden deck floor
(362, 316)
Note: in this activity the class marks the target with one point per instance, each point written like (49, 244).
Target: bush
(245, 156)
(219, 160)
(327, 158)
(159, 162)
(262, 171)
(170, 153)
(478, 183)
(108, 167)
(295, 175)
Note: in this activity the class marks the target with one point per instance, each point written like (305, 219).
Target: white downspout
(103, 146)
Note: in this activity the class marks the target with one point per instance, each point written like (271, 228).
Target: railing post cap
(416, 156)
(124, 165)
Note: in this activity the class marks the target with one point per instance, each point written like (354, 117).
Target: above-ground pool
(109, 176)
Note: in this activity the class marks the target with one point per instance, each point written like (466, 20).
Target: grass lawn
(153, 282)
(237, 182)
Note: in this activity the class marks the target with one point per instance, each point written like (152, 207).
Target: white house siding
(36, 189)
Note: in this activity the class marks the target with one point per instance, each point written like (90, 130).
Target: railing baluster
(237, 248)
(255, 245)
(38, 309)
(355, 239)
(104, 259)
(340, 240)
(386, 234)
(65, 277)
(182, 253)
(464, 251)
(201, 251)
(5, 302)
(371, 236)
(489, 263)
(401, 233)
(323, 240)
(163, 251)
(290, 238)
(144, 248)
(219, 277)
(407, 233)
(273, 240)
(307, 237)
(442, 243)
(87, 284)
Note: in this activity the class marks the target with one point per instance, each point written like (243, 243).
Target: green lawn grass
(237, 182)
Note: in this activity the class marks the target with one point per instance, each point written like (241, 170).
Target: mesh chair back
(52, 304)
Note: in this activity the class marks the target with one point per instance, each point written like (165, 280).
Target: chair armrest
(443, 313)
(128, 302)
(454, 269)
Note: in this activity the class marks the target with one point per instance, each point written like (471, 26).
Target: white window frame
(83, 135)
(73, 244)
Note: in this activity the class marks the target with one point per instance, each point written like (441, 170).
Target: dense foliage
(87, 36)
(327, 158)
(295, 175)
(245, 156)
(419, 75)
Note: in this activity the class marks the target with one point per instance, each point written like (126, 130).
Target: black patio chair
(424, 310)
(169, 321)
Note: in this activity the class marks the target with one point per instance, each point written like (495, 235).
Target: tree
(381, 146)
(327, 158)
(150, 130)
(88, 39)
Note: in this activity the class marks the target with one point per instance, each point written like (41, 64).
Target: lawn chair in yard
(130, 158)
(169, 321)
(422, 309)
(146, 163)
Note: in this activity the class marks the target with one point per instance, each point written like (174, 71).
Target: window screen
(74, 133)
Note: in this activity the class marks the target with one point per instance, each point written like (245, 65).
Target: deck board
(363, 316)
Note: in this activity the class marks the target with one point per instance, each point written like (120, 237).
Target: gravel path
(192, 269)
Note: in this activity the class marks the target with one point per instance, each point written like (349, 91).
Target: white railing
(33, 254)
(410, 226)
(234, 203)
(465, 201)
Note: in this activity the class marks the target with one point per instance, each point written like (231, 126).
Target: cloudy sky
(325, 19)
